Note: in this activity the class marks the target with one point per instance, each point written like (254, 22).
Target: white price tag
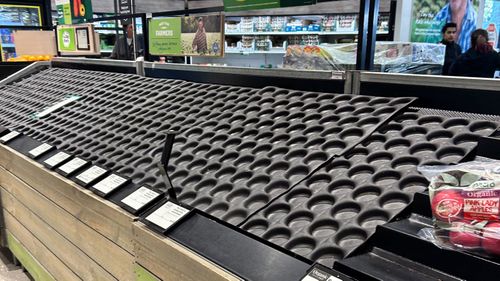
(167, 215)
(39, 150)
(9, 136)
(57, 158)
(319, 275)
(91, 174)
(72, 165)
(109, 183)
(140, 198)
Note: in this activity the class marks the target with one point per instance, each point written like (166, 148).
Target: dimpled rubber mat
(237, 162)
(337, 208)
(236, 149)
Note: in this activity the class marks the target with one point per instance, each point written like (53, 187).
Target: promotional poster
(187, 36)
(429, 16)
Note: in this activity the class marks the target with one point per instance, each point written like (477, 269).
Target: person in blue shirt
(463, 14)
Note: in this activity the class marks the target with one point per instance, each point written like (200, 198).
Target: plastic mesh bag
(465, 202)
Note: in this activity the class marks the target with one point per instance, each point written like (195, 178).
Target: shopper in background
(124, 50)
(463, 14)
(453, 50)
(200, 38)
(480, 60)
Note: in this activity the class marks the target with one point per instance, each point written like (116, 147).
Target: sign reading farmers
(165, 36)
(186, 36)
(429, 16)
(125, 8)
(73, 11)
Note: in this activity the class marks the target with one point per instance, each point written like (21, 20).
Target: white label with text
(109, 183)
(73, 165)
(9, 136)
(39, 150)
(91, 174)
(57, 158)
(140, 198)
(167, 215)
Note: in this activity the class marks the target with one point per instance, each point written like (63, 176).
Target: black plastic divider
(447, 98)
(489, 147)
(318, 85)
(8, 68)
(246, 255)
(242, 253)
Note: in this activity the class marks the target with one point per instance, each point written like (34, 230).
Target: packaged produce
(465, 202)
(28, 58)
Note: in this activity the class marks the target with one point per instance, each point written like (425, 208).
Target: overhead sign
(73, 11)
(125, 8)
(186, 36)
(242, 5)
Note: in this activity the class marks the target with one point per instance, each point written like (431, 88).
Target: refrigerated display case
(11, 18)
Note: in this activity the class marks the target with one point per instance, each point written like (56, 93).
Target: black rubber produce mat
(236, 149)
(336, 209)
(312, 172)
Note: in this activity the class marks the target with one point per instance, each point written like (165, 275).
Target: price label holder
(321, 273)
(140, 199)
(167, 216)
(90, 176)
(57, 160)
(72, 166)
(108, 184)
(9, 136)
(40, 150)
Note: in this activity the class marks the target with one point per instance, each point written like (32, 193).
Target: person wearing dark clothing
(453, 50)
(480, 60)
(200, 38)
(124, 50)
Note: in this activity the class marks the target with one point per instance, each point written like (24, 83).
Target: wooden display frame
(74, 234)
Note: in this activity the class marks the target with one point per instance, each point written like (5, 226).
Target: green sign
(73, 11)
(165, 36)
(66, 39)
(241, 5)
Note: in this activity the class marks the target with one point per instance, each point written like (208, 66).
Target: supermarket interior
(308, 140)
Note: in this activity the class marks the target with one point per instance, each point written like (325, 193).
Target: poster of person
(429, 16)
(202, 35)
(187, 36)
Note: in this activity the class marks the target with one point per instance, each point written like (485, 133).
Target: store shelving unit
(16, 17)
(299, 33)
(247, 48)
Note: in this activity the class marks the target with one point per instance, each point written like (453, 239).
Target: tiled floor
(9, 271)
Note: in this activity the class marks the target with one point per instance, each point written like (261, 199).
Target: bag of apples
(465, 201)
